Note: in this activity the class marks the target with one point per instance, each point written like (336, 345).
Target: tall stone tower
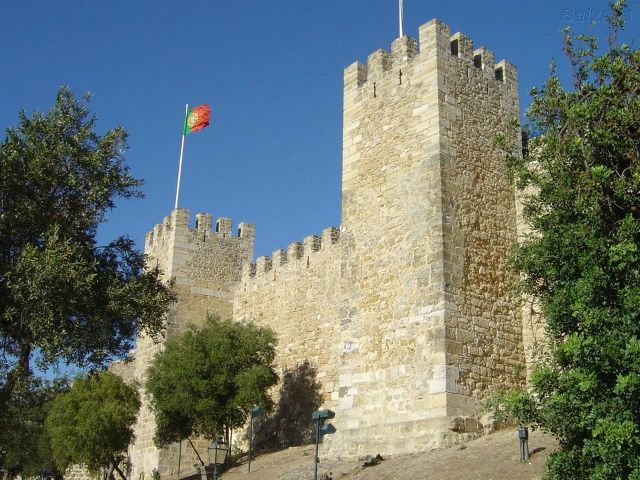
(428, 216)
(203, 263)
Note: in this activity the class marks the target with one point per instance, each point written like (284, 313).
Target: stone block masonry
(405, 311)
(296, 292)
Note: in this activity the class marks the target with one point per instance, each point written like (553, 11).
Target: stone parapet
(296, 252)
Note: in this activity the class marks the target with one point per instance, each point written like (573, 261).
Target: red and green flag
(197, 118)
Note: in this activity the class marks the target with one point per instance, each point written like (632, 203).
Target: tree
(206, 381)
(92, 423)
(24, 445)
(63, 297)
(581, 185)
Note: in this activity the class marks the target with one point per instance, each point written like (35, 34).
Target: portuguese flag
(197, 118)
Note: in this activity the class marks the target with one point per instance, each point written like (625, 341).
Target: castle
(405, 311)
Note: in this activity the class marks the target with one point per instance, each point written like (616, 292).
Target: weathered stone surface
(77, 472)
(405, 311)
(466, 425)
(409, 316)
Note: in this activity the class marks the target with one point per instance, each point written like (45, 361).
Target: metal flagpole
(401, 17)
(186, 109)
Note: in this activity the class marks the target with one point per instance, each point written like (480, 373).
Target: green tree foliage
(63, 297)
(206, 380)
(24, 445)
(92, 423)
(581, 182)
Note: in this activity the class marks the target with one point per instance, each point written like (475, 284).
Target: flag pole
(401, 16)
(186, 110)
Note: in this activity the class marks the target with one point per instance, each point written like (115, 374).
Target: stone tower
(428, 216)
(405, 311)
(203, 263)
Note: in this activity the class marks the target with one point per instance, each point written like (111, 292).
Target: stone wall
(297, 293)
(393, 367)
(406, 312)
(203, 263)
(533, 325)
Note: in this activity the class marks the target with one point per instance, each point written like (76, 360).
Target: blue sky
(272, 73)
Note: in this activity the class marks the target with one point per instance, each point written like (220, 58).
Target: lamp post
(255, 412)
(523, 435)
(220, 451)
(321, 417)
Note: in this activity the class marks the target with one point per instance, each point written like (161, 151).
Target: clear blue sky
(272, 72)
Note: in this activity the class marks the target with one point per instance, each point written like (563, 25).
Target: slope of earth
(491, 457)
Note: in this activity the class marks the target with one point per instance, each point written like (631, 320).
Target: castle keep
(405, 310)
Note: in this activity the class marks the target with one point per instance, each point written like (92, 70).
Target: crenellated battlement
(434, 39)
(177, 225)
(295, 252)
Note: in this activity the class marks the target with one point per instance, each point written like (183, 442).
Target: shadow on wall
(291, 424)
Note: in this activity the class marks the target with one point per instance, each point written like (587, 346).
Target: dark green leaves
(207, 380)
(92, 423)
(582, 263)
(63, 297)
(24, 445)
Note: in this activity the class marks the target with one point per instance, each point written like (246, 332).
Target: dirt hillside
(492, 457)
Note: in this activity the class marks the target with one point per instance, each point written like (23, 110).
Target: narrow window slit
(454, 48)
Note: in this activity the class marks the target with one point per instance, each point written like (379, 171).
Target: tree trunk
(117, 469)
(21, 370)
(194, 449)
(109, 472)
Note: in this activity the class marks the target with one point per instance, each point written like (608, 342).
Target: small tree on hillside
(24, 445)
(92, 424)
(581, 177)
(206, 380)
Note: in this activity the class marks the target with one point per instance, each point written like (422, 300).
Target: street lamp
(321, 418)
(253, 413)
(220, 451)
